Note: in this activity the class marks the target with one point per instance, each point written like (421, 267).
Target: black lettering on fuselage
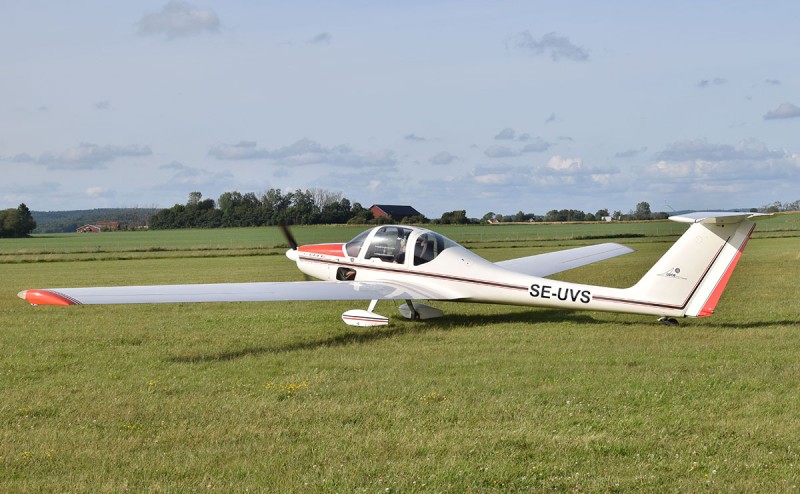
(561, 293)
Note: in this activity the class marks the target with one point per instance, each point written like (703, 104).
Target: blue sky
(485, 106)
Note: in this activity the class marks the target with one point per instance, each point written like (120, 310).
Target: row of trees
(778, 206)
(642, 212)
(552, 215)
(320, 206)
(310, 206)
(16, 222)
(301, 207)
(68, 221)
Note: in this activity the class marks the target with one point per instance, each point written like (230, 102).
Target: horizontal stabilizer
(718, 218)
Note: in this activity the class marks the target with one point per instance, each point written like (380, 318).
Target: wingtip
(45, 297)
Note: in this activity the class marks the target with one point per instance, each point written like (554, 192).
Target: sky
(495, 106)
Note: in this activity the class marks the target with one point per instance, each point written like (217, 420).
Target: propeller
(288, 235)
(292, 252)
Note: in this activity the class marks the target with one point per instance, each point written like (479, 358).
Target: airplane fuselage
(464, 276)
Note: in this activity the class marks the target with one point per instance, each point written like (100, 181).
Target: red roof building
(100, 226)
(397, 213)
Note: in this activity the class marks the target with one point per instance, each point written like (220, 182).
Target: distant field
(269, 241)
(281, 397)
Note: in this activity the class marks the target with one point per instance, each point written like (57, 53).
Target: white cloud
(187, 175)
(505, 134)
(536, 145)
(557, 171)
(305, 152)
(564, 164)
(630, 153)
(243, 150)
(321, 39)
(501, 174)
(22, 158)
(744, 163)
(784, 110)
(707, 188)
(668, 169)
(558, 47)
(700, 149)
(84, 156)
(499, 152)
(717, 81)
(601, 178)
(13, 193)
(492, 179)
(443, 158)
(98, 192)
(178, 19)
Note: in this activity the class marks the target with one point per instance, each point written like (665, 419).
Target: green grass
(271, 397)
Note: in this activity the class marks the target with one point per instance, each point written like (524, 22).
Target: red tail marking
(711, 303)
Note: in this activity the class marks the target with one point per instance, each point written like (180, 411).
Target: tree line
(778, 207)
(320, 206)
(274, 207)
(642, 212)
(16, 222)
(301, 207)
(68, 221)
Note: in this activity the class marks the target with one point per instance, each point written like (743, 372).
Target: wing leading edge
(563, 260)
(230, 292)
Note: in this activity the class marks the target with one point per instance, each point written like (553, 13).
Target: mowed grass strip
(284, 397)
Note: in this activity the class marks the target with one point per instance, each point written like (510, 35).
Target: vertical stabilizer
(689, 279)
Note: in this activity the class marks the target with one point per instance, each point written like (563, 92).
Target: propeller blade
(292, 244)
(289, 237)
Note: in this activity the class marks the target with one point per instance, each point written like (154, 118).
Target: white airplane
(398, 262)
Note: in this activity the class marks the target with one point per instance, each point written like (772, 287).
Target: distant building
(100, 226)
(397, 213)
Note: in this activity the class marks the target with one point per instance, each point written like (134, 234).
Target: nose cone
(292, 254)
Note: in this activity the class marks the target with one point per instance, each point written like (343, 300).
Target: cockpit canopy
(392, 243)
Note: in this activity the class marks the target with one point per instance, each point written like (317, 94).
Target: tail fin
(692, 275)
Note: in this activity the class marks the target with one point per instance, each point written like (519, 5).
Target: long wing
(563, 260)
(230, 292)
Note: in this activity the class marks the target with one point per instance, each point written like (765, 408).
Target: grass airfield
(283, 397)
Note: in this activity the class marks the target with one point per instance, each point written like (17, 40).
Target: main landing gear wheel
(668, 321)
(417, 311)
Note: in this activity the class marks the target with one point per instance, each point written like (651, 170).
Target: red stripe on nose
(336, 250)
